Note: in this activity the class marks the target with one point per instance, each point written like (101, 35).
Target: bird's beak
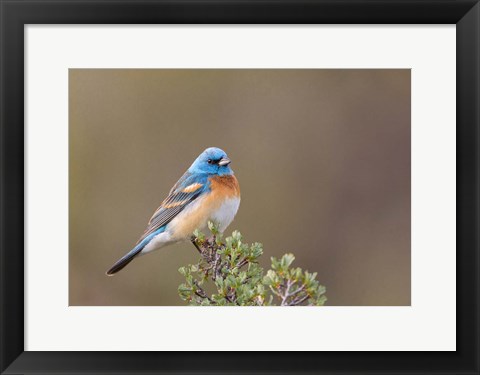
(224, 161)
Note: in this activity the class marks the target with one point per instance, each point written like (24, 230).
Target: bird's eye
(209, 161)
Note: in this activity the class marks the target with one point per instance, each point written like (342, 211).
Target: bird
(207, 191)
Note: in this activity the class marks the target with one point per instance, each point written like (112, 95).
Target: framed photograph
(239, 187)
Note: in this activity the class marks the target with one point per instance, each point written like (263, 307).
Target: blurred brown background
(322, 156)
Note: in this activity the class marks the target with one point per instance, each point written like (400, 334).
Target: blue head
(212, 161)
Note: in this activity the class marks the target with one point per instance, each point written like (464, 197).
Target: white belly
(224, 215)
(196, 216)
(199, 213)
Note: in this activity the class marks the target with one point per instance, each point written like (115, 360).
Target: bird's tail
(122, 262)
(128, 257)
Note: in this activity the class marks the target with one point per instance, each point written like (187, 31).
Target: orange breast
(225, 186)
(197, 214)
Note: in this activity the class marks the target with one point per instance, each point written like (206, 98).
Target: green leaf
(287, 260)
(183, 271)
(213, 227)
(237, 236)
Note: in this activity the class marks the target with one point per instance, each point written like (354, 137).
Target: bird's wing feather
(188, 188)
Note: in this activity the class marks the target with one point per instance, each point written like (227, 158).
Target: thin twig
(232, 298)
(201, 293)
(299, 301)
(275, 292)
(216, 268)
(285, 295)
(296, 291)
(242, 263)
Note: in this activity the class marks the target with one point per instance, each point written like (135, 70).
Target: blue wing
(184, 192)
(188, 188)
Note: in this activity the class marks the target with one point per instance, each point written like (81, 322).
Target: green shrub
(228, 274)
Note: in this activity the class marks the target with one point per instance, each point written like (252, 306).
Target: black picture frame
(17, 13)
